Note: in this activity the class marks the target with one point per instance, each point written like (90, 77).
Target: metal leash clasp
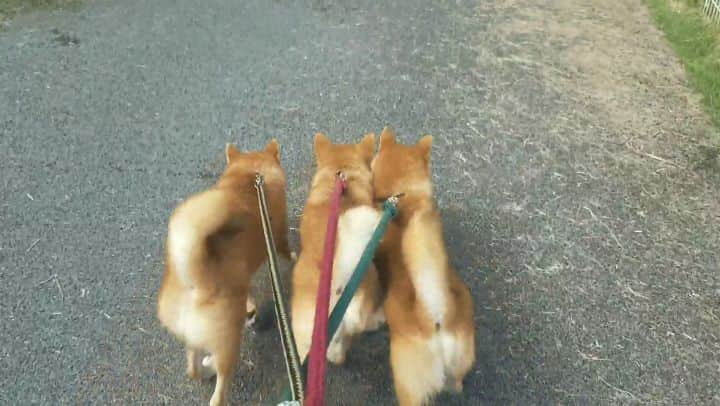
(341, 176)
(259, 181)
(395, 199)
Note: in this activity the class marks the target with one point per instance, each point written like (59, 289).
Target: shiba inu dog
(214, 246)
(358, 219)
(428, 308)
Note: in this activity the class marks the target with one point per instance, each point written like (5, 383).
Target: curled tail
(355, 228)
(195, 228)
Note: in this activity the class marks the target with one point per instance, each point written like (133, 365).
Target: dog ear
(273, 147)
(425, 147)
(367, 147)
(231, 153)
(322, 143)
(387, 137)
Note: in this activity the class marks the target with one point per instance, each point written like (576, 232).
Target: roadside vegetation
(10, 8)
(697, 43)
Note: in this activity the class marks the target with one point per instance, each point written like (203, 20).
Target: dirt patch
(600, 168)
(609, 58)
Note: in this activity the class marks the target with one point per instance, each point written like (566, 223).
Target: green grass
(9, 8)
(697, 42)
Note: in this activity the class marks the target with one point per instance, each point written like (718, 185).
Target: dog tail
(423, 249)
(355, 228)
(196, 229)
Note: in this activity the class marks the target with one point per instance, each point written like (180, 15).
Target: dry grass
(597, 162)
(10, 8)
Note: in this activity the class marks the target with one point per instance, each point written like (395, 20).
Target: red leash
(315, 392)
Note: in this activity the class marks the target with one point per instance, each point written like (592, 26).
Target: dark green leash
(336, 316)
(338, 312)
(292, 360)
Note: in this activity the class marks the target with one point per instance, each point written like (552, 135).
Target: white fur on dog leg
(335, 354)
(337, 349)
(251, 309)
(215, 400)
(222, 391)
(376, 320)
(208, 367)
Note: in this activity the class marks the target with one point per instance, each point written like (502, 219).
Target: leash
(316, 359)
(292, 360)
(389, 211)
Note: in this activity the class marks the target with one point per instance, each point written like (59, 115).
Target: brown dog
(357, 221)
(428, 308)
(215, 244)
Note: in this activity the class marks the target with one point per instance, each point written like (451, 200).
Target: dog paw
(207, 368)
(454, 385)
(458, 387)
(194, 365)
(251, 319)
(336, 353)
(251, 310)
(217, 400)
(193, 373)
(376, 321)
(336, 358)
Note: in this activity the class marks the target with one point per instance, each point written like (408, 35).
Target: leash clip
(259, 181)
(395, 199)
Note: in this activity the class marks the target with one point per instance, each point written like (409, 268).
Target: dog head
(242, 165)
(353, 160)
(402, 169)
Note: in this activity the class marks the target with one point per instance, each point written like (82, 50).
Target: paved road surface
(591, 245)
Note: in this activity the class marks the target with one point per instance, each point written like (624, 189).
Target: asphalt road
(587, 289)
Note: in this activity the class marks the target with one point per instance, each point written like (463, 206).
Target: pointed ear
(425, 147)
(387, 137)
(367, 147)
(231, 153)
(273, 148)
(322, 142)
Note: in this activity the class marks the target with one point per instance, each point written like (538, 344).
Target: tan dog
(215, 244)
(357, 221)
(428, 307)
